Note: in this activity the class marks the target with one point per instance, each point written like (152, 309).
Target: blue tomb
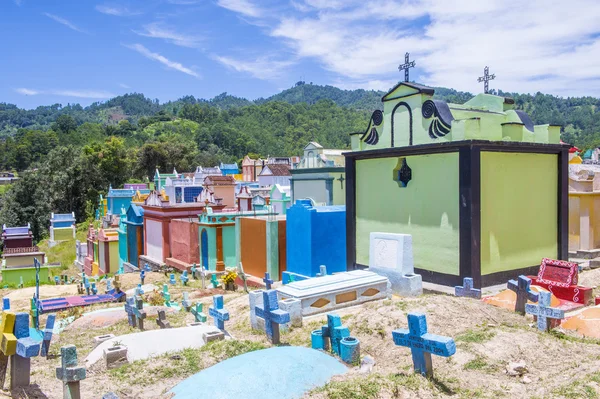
(315, 236)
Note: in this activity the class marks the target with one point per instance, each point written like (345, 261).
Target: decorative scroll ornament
(371, 136)
(442, 117)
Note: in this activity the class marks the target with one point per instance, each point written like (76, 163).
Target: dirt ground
(559, 365)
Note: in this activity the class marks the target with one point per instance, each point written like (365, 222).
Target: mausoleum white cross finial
(406, 66)
(486, 79)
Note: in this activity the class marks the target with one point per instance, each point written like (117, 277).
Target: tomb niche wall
(518, 210)
(427, 208)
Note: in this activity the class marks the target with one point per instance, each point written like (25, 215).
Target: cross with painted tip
(544, 312)
(197, 312)
(166, 295)
(185, 302)
(162, 320)
(467, 289)
(217, 312)
(272, 315)
(422, 344)
(56, 280)
(45, 350)
(142, 276)
(267, 280)
(129, 306)
(522, 288)
(70, 373)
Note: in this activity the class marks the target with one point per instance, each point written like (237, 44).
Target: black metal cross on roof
(486, 79)
(341, 180)
(405, 67)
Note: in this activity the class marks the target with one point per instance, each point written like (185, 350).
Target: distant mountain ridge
(578, 115)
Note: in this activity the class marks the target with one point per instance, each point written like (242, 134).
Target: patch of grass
(569, 338)
(475, 336)
(576, 390)
(410, 381)
(221, 350)
(355, 388)
(479, 363)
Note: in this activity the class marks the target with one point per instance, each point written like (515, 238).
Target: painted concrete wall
(229, 246)
(427, 208)
(315, 189)
(253, 246)
(16, 261)
(63, 234)
(184, 241)
(135, 241)
(518, 210)
(122, 247)
(113, 253)
(584, 223)
(154, 239)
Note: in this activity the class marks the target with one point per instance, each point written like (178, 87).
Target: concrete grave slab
(298, 370)
(391, 255)
(146, 344)
(323, 294)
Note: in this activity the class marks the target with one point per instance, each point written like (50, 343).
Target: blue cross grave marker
(129, 306)
(139, 312)
(218, 313)
(45, 351)
(184, 277)
(522, 288)
(139, 290)
(335, 332)
(56, 280)
(86, 284)
(544, 312)
(197, 312)
(69, 373)
(267, 280)
(467, 289)
(142, 276)
(194, 272)
(214, 281)
(27, 347)
(94, 289)
(272, 315)
(422, 344)
(172, 279)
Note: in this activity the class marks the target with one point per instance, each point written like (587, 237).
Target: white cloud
(116, 11)
(27, 92)
(545, 46)
(64, 22)
(159, 31)
(67, 93)
(123, 85)
(264, 68)
(163, 60)
(244, 7)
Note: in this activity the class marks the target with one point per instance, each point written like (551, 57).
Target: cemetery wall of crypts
(518, 210)
(154, 239)
(427, 208)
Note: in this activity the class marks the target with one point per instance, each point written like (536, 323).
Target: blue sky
(68, 51)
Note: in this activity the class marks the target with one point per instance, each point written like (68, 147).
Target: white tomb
(340, 290)
(391, 255)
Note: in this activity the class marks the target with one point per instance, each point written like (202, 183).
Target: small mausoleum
(108, 251)
(18, 256)
(62, 227)
(315, 236)
(161, 178)
(481, 189)
(118, 198)
(229, 169)
(222, 187)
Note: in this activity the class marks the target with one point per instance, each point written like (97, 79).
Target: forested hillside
(75, 152)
